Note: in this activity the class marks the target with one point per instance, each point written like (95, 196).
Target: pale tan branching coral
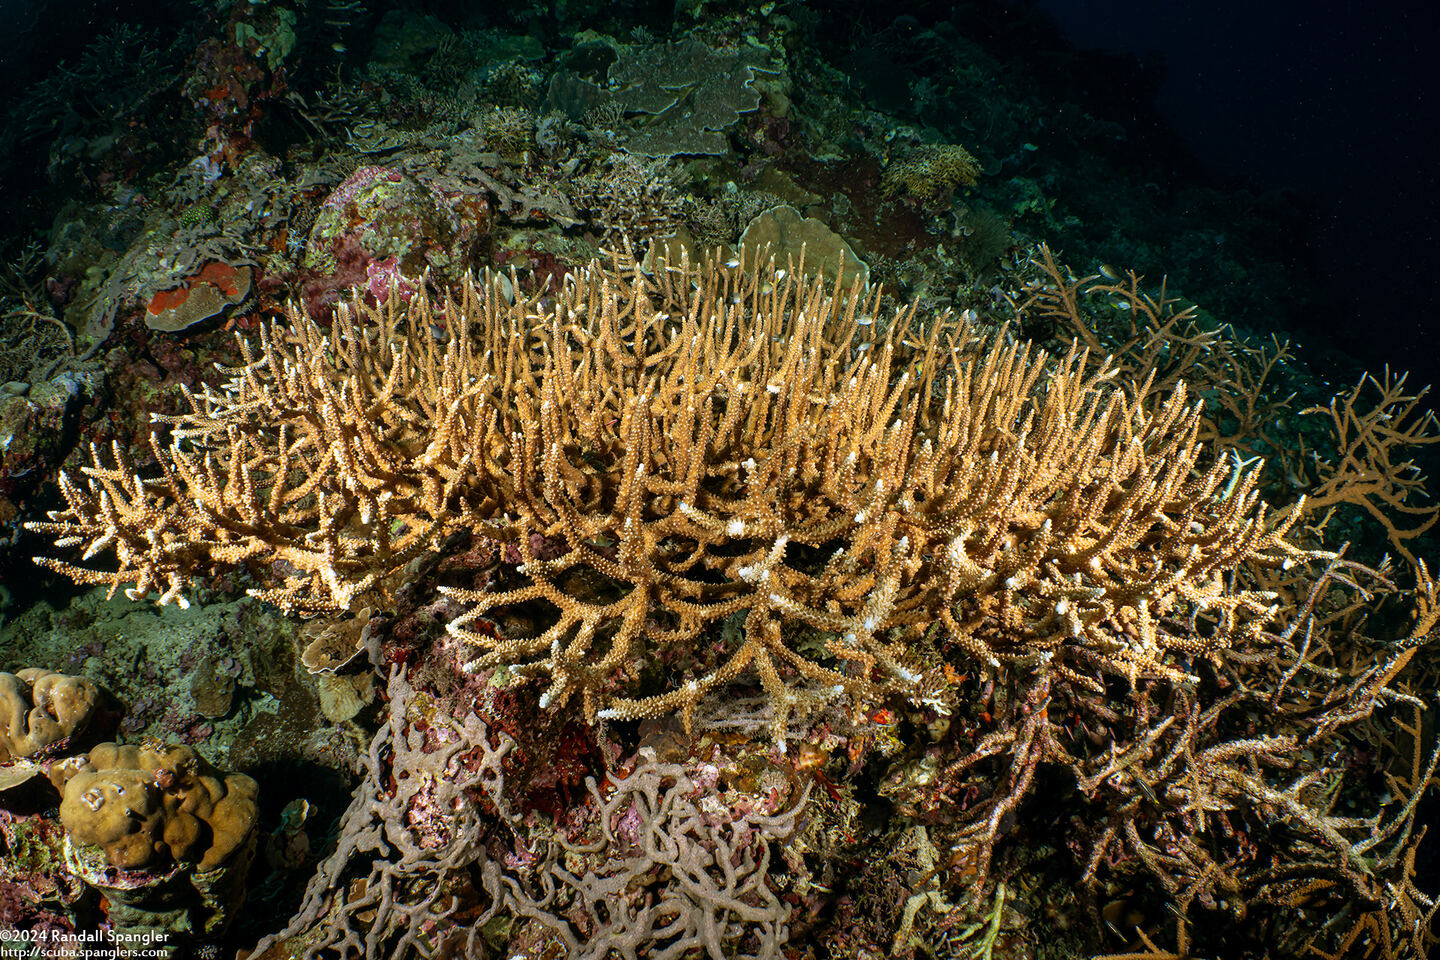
(694, 444)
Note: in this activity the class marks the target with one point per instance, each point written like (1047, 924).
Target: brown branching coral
(1157, 334)
(699, 476)
(1367, 460)
(1367, 470)
(1281, 790)
(1247, 796)
(702, 443)
(1191, 798)
(930, 171)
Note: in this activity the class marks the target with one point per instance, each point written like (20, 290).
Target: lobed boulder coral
(41, 710)
(148, 804)
(165, 837)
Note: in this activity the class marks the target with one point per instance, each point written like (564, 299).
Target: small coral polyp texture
(742, 477)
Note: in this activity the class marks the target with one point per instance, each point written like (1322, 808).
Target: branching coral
(1369, 460)
(931, 171)
(672, 869)
(430, 852)
(628, 196)
(419, 820)
(1190, 797)
(1367, 471)
(701, 443)
(702, 475)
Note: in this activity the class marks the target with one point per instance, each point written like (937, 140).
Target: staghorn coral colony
(561, 486)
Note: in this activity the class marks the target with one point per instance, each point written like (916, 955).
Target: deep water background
(1339, 103)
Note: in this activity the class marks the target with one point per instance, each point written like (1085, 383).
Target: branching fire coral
(698, 443)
